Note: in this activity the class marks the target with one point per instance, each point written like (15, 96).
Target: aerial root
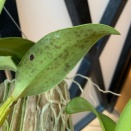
(90, 84)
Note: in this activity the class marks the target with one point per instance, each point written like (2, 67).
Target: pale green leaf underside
(48, 62)
(124, 123)
(15, 47)
(2, 2)
(73, 107)
(7, 63)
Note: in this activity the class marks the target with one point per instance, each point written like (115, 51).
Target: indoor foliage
(51, 59)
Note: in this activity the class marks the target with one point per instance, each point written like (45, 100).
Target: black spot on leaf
(32, 57)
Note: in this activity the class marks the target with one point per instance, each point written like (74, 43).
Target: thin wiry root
(90, 83)
(52, 115)
(61, 105)
(78, 85)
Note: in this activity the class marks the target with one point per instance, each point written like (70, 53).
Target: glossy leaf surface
(15, 47)
(124, 123)
(2, 2)
(48, 62)
(79, 104)
(7, 63)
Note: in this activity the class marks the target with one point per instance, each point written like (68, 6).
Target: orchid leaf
(15, 47)
(2, 2)
(48, 62)
(124, 122)
(72, 107)
(7, 63)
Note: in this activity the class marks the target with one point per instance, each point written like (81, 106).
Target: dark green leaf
(79, 104)
(15, 47)
(7, 63)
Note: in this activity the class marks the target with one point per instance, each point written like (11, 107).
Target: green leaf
(48, 62)
(7, 63)
(2, 2)
(73, 107)
(15, 47)
(124, 123)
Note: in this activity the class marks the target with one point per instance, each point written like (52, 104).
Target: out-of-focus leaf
(15, 47)
(124, 123)
(48, 62)
(7, 63)
(2, 2)
(79, 104)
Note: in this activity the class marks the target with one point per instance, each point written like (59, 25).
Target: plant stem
(5, 109)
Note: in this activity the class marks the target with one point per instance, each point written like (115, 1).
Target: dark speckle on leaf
(32, 57)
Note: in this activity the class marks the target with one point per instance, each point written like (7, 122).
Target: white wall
(97, 8)
(40, 17)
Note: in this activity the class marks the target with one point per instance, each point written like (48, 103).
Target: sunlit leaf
(15, 47)
(48, 62)
(7, 63)
(124, 123)
(79, 104)
(2, 2)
